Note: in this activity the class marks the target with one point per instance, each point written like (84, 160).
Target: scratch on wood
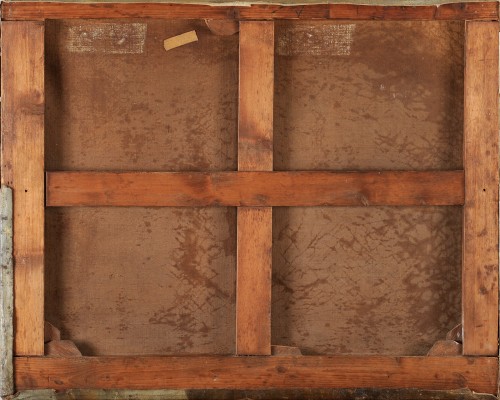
(107, 38)
(6, 294)
(316, 40)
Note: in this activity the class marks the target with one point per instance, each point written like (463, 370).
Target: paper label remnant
(180, 40)
(106, 38)
(316, 40)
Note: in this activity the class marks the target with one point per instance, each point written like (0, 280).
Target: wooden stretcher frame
(475, 187)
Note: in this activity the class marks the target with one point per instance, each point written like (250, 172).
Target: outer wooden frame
(258, 372)
(480, 227)
(22, 110)
(23, 171)
(16, 11)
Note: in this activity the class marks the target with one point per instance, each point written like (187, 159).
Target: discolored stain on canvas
(369, 95)
(353, 280)
(142, 281)
(367, 280)
(144, 109)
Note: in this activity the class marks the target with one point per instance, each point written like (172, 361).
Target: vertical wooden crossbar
(23, 171)
(255, 153)
(480, 228)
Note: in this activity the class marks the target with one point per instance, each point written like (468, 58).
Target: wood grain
(23, 171)
(47, 10)
(253, 288)
(487, 11)
(160, 189)
(480, 248)
(275, 12)
(255, 153)
(477, 374)
(255, 124)
(453, 11)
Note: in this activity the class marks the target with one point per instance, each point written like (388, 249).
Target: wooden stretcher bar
(255, 189)
(255, 153)
(16, 11)
(444, 373)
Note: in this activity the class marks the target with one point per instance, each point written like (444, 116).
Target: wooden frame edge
(478, 374)
(480, 214)
(22, 154)
(487, 11)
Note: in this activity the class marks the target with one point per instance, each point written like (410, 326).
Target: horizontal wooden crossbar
(53, 10)
(257, 372)
(163, 189)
